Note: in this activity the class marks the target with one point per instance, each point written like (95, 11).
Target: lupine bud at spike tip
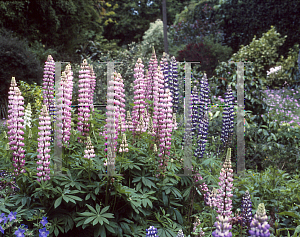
(259, 225)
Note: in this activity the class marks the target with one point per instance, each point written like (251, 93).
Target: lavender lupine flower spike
(224, 203)
(43, 144)
(64, 108)
(15, 126)
(89, 152)
(152, 71)
(48, 89)
(151, 232)
(259, 225)
(93, 86)
(139, 98)
(196, 224)
(84, 99)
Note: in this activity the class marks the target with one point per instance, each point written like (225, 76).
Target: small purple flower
(1, 229)
(12, 216)
(25, 226)
(3, 218)
(44, 221)
(151, 232)
(20, 233)
(43, 232)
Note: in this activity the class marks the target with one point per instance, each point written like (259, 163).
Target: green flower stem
(89, 171)
(106, 196)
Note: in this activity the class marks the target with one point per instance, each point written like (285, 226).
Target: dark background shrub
(16, 61)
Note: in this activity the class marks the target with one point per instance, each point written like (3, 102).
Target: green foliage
(208, 53)
(32, 94)
(222, 53)
(198, 53)
(242, 19)
(18, 62)
(59, 25)
(289, 69)
(262, 52)
(41, 52)
(134, 17)
(153, 37)
(193, 25)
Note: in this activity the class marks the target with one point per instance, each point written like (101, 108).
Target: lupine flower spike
(196, 224)
(180, 233)
(224, 203)
(27, 117)
(246, 209)
(139, 95)
(89, 152)
(43, 144)
(15, 126)
(173, 84)
(228, 118)
(48, 89)
(85, 101)
(124, 145)
(259, 225)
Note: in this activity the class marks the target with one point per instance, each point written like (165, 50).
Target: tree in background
(134, 17)
(242, 19)
(60, 25)
(16, 61)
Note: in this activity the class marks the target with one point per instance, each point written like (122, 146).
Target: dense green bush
(153, 37)
(263, 53)
(198, 52)
(206, 52)
(32, 94)
(17, 61)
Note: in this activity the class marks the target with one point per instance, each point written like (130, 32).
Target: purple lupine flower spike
(259, 226)
(228, 118)
(173, 81)
(202, 116)
(151, 232)
(246, 209)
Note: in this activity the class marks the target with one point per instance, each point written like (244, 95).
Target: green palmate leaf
(57, 202)
(88, 220)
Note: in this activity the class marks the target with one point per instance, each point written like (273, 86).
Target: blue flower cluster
(21, 231)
